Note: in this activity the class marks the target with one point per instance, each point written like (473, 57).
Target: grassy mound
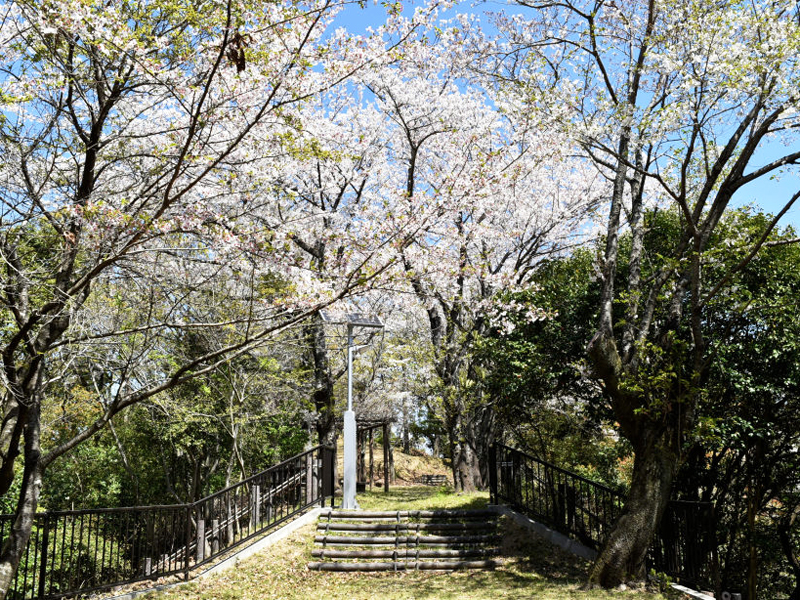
(408, 468)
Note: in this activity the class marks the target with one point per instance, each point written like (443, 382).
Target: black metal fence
(83, 551)
(686, 544)
(684, 548)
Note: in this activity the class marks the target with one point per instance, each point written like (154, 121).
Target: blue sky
(768, 194)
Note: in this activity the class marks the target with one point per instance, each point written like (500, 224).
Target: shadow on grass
(513, 579)
(529, 567)
(530, 553)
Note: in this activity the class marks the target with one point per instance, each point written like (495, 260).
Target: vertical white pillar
(349, 492)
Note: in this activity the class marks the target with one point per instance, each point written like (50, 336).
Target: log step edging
(409, 514)
(389, 528)
(404, 566)
(405, 553)
(406, 540)
(357, 540)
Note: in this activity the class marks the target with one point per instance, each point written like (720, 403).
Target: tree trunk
(622, 558)
(785, 537)
(483, 437)
(469, 431)
(16, 543)
(406, 429)
(10, 434)
(323, 383)
(436, 446)
(752, 550)
(466, 471)
(460, 467)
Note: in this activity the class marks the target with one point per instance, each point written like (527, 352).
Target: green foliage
(747, 397)
(662, 581)
(538, 376)
(8, 501)
(91, 476)
(78, 554)
(745, 456)
(186, 443)
(541, 359)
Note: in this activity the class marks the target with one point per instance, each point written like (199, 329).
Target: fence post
(386, 443)
(200, 540)
(371, 461)
(561, 505)
(271, 514)
(319, 476)
(255, 510)
(310, 487)
(570, 509)
(493, 474)
(327, 475)
(229, 519)
(214, 537)
(716, 576)
(150, 533)
(188, 542)
(147, 566)
(43, 570)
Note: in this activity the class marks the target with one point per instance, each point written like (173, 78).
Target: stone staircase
(402, 540)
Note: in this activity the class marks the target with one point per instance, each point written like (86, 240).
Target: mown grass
(421, 498)
(531, 568)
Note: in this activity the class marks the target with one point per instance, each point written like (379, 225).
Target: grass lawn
(531, 568)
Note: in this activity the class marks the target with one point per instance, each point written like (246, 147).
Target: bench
(433, 480)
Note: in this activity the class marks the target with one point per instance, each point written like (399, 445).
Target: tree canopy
(540, 207)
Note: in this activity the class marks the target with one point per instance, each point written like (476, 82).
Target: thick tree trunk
(466, 471)
(469, 441)
(483, 436)
(471, 451)
(323, 383)
(31, 484)
(10, 434)
(622, 558)
(470, 433)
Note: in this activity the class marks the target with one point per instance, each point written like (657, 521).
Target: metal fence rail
(83, 551)
(563, 500)
(685, 545)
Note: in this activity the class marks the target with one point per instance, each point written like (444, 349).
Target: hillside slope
(408, 468)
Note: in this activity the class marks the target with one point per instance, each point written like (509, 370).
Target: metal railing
(554, 496)
(83, 551)
(685, 545)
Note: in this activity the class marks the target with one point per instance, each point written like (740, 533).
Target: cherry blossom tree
(490, 194)
(129, 133)
(330, 190)
(680, 104)
(332, 185)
